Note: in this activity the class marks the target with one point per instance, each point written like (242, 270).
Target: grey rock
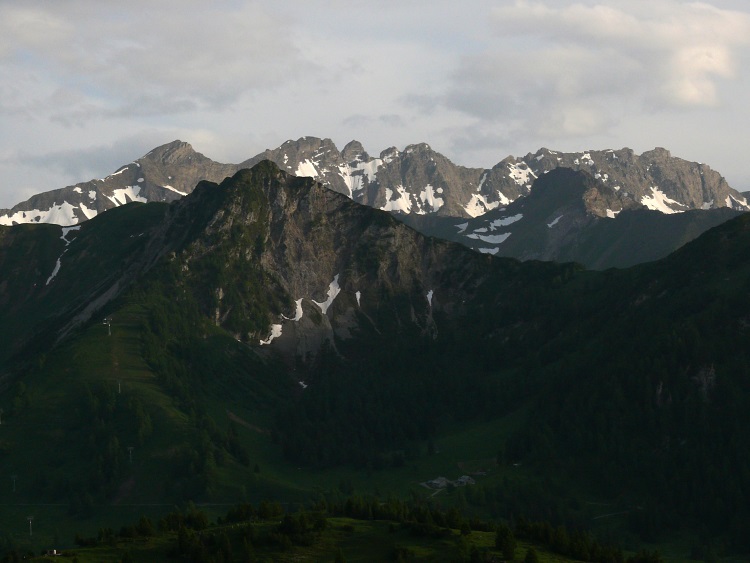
(415, 181)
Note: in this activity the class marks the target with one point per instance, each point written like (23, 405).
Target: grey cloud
(360, 121)
(570, 95)
(576, 70)
(425, 103)
(475, 138)
(392, 120)
(680, 48)
(356, 121)
(143, 107)
(96, 161)
(172, 60)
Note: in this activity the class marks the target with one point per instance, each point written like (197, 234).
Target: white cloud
(576, 69)
(149, 59)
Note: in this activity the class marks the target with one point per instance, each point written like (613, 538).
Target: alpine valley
(260, 338)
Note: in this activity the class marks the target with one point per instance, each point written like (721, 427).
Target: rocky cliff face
(417, 180)
(654, 179)
(330, 268)
(413, 182)
(420, 181)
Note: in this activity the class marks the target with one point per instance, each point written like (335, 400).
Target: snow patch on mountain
(501, 197)
(307, 168)
(354, 176)
(492, 239)
(740, 203)
(275, 333)
(175, 190)
(658, 201)
(333, 290)
(489, 250)
(403, 203)
(482, 180)
(297, 312)
(120, 171)
(478, 205)
(54, 272)
(521, 174)
(58, 264)
(428, 197)
(125, 195)
(554, 222)
(88, 213)
(60, 214)
(505, 221)
(67, 230)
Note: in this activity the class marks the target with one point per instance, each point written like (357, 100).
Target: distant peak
(389, 152)
(354, 151)
(171, 153)
(174, 145)
(658, 152)
(417, 147)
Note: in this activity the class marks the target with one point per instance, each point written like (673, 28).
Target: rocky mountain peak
(172, 153)
(389, 153)
(564, 182)
(354, 151)
(561, 190)
(323, 260)
(308, 145)
(418, 148)
(658, 153)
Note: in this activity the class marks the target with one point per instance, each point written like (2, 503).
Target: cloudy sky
(89, 85)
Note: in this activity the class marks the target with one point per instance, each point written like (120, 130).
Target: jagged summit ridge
(415, 181)
(175, 151)
(572, 216)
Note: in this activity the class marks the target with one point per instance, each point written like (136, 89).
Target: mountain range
(339, 337)
(485, 209)
(304, 255)
(565, 219)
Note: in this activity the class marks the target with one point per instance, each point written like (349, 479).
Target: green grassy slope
(34, 304)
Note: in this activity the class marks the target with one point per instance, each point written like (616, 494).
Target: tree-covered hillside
(146, 362)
